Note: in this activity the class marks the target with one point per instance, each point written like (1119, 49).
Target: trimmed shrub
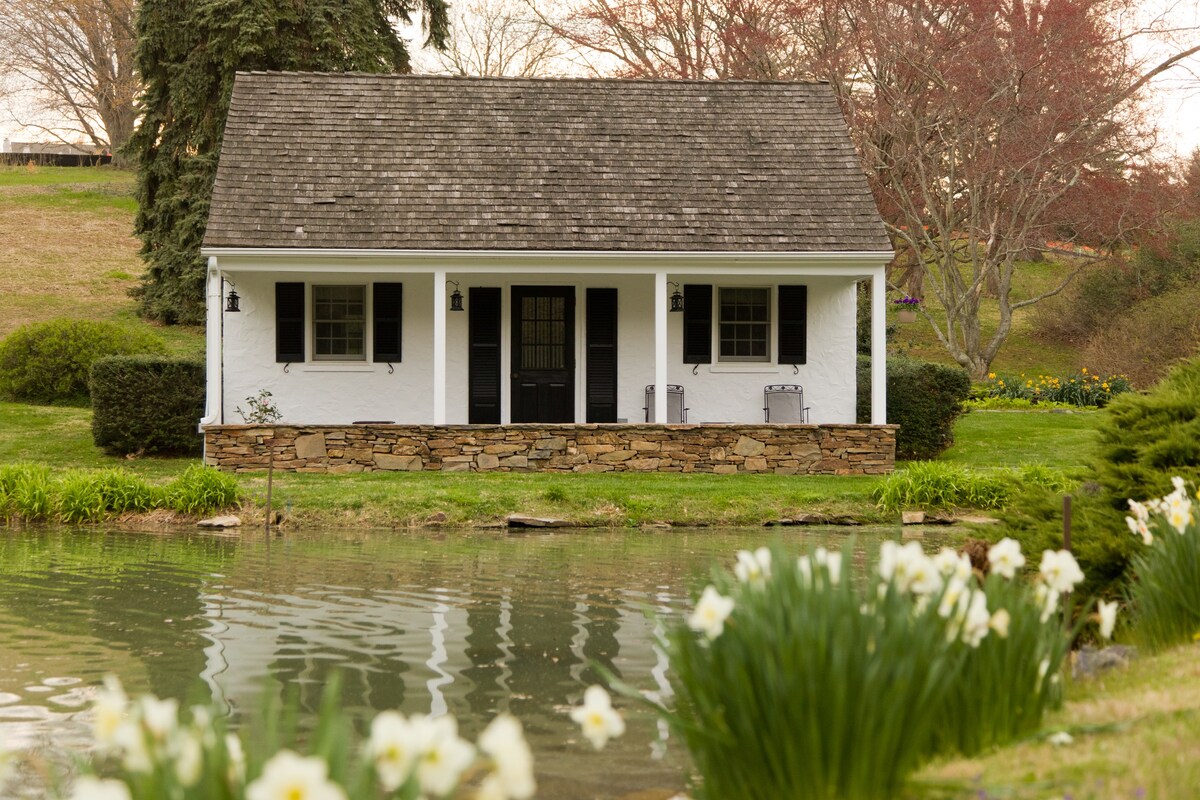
(48, 362)
(147, 404)
(924, 399)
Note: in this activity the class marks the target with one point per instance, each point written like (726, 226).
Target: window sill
(334, 366)
(747, 368)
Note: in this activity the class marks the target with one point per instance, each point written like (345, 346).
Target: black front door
(543, 354)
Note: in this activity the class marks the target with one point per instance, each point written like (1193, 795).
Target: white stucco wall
(342, 392)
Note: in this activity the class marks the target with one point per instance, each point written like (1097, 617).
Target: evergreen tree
(188, 53)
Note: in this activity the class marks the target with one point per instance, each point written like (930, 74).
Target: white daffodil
(1139, 510)
(1000, 621)
(600, 722)
(711, 612)
(1060, 739)
(908, 568)
(753, 568)
(130, 741)
(1179, 485)
(1138, 527)
(1178, 511)
(977, 621)
(1005, 557)
(288, 776)
(1043, 668)
(1047, 598)
(805, 568)
(236, 768)
(161, 717)
(950, 598)
(108, 712)
(1108, 617)
(393, 749)
(89, 788)
(442, 755)
(924, 577)
(503, 741)
(1060, 570)
(833, 564)
(889, 554)
(951, 563)
(187, 757)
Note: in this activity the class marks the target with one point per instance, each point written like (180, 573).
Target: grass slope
(1136, 731)
(69, 249)
(989, 439)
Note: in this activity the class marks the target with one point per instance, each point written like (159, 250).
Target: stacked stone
(719, 449)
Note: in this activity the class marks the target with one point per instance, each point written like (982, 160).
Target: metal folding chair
(676, 411)
(783, 403)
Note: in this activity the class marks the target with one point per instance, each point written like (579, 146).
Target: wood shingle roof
(426, 162)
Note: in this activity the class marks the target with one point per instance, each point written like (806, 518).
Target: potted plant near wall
(907, 307)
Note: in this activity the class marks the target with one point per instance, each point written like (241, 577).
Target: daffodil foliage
(1164, 591)
(794, 679)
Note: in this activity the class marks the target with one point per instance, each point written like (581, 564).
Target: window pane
(339, 322)
(744, 324)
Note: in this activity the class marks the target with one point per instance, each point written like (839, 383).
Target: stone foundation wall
(720, 449)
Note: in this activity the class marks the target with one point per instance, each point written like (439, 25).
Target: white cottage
(503, 266)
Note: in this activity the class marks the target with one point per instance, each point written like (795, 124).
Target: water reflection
(463, 624)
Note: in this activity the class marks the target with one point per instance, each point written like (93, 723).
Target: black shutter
(289, 322)
(793, 324)
(483, 358)
(697, 324)
(601, 355)
(388, 309)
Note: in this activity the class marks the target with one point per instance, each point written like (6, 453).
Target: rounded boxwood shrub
(923, 398)
(47, 362)
(147, 404)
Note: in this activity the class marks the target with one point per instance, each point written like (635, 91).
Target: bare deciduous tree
(77, 58)
(501, 38)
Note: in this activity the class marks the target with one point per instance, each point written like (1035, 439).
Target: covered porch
(556, 338)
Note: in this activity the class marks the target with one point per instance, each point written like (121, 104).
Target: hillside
(69, 250)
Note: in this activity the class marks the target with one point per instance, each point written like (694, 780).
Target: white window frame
(316, 356)
(768, 325)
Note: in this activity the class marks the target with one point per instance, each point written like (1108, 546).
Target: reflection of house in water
(499, 640)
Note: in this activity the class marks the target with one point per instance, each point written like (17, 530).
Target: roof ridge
(540, 79)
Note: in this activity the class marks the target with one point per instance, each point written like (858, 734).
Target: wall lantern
(231, 303)
(676, 297)
(455, 297)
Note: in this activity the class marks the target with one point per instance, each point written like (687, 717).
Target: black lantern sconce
(676, 297)
(231, 302)
(455, 297)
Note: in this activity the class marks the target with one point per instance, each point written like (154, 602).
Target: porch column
(878, 348)
(660, 347)
(439, 347)
(214, 321)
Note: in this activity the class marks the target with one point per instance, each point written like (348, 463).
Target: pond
(428, 622)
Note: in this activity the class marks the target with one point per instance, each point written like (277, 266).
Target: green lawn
(1136, 735)
(51, 176)
(988, 439)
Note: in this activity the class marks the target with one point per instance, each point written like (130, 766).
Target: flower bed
(1084, 388)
